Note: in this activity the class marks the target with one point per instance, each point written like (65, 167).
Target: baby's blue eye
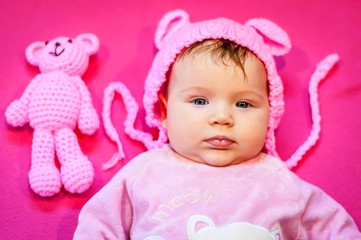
(199, 101)
(242, 104)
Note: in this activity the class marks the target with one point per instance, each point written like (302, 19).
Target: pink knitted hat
(175, 33)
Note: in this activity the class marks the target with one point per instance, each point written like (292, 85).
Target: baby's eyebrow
(194, 89)
(252, 92)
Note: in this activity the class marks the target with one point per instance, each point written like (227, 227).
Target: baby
(214, 93)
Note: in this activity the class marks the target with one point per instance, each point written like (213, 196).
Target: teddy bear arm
(17, 112)
(88, 121)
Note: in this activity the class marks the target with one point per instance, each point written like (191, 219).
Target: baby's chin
(223, 163)
(214, 157)
(218, 159)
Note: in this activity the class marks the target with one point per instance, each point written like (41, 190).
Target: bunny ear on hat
(170, 23)
(274, 37)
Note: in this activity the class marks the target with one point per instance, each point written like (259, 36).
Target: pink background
(125, 29)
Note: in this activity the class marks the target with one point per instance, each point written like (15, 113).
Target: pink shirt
(160, 195)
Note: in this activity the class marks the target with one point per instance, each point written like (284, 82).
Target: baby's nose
(222, 117)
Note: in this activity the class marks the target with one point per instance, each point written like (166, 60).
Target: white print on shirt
(201, 227)
(164, 210)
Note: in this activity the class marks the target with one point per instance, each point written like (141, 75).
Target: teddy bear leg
(76, 170)
(44, 177)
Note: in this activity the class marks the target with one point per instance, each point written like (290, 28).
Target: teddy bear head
(69, 55)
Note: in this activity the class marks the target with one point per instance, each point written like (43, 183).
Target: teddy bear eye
(70, 41)
(46, 42)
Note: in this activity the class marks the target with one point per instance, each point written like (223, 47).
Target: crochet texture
(54, 103)
(175, 33)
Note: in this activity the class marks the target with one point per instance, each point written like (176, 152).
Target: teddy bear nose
(57, 44)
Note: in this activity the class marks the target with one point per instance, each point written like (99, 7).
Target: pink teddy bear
(54, 102)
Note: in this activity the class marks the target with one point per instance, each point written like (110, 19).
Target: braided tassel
(320, 73)
(109, 127)
(131, 107)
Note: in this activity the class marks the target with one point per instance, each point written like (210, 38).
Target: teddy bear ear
(90, 42)
(170, 23)
(275, 38)
(33, 52)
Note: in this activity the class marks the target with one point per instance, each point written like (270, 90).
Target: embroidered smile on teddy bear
(54, 103)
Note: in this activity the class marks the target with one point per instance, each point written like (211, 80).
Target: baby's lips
(220, 142)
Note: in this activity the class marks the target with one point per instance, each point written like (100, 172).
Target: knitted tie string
(320, 73)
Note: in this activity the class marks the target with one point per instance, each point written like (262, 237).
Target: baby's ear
(33, 53)
(275, 38)
(90, 42)
(170, 23)
(163, 109)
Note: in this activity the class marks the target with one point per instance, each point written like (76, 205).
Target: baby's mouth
(220, 142)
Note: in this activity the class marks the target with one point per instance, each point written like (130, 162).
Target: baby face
(216, 114)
